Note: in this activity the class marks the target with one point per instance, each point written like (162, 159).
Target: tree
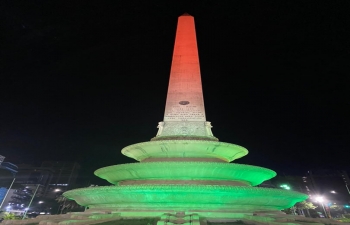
(9, 216)
(336, 210)
(300, 207)
(67, 204)
(336, 207)
(305, 205)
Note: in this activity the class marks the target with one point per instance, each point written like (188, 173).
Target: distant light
(333, 192)
(285, 186)
(42, 213)
(319, 199)
(57, 190)
(40, 202)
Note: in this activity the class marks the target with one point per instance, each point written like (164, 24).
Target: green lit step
(187, 197)
(185, 149)
(246, 174)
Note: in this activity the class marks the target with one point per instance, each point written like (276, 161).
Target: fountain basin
(184, 197)
(242, 175)
(184, 149)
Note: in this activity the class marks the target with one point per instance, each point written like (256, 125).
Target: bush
(344, 220)
(9, 216)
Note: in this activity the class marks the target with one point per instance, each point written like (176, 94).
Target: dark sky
(80, 80)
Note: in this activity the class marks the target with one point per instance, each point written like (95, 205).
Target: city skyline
(84, 86)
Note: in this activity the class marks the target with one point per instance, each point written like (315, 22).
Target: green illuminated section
(176, 181)
(181, 175)
(185, 197)
(251, 175)
(185, 149)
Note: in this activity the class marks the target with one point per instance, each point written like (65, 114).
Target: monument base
(105, 217)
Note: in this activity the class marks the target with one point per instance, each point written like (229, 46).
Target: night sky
(80, 80)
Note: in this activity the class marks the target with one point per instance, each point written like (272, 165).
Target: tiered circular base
(184, 198)
(185, 149)
(186, 172)
(185, 175)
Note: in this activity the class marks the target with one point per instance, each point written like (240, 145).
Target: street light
(320, 199)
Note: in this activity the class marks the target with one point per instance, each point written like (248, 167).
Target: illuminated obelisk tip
(184, 115)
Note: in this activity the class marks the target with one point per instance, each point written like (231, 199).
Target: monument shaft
(185, 97)
(184, 115)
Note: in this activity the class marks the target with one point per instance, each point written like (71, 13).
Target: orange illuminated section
(185, 97)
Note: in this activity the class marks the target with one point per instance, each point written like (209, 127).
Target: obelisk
(184, 115)
(184, 173)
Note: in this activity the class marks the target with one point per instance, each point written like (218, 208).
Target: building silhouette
(48, 181)
(8, 173)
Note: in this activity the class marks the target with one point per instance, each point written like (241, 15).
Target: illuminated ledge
(246, 174)
(185, 149)
(186, 197)
(184, 182)
(184, 137)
